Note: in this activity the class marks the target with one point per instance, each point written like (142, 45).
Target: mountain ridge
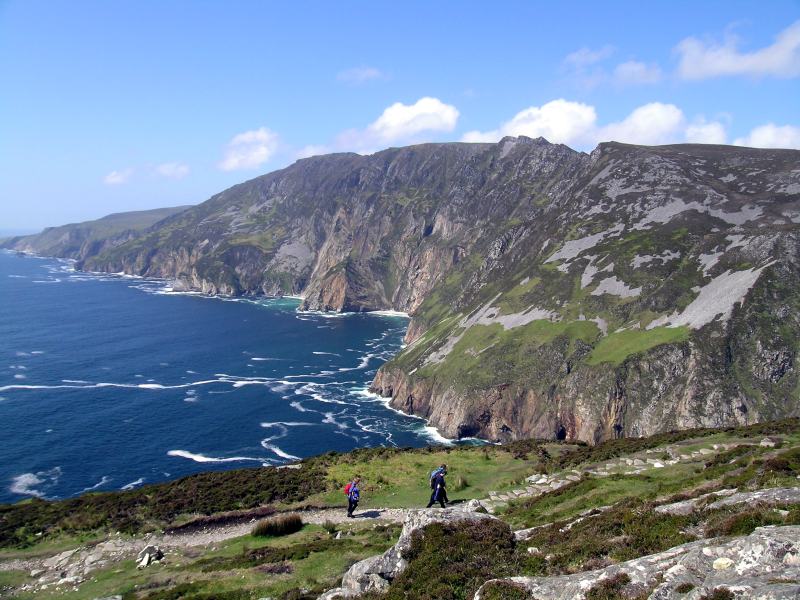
(553, 293)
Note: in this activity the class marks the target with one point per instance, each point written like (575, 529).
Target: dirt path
(84, 559)
(214, 535)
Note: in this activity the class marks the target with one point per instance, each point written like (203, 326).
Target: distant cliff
(553, 293)
(81, 240)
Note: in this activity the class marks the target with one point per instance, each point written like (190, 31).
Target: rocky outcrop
(763, 565)
(375, 574)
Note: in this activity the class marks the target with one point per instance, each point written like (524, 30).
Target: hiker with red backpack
(353, 493)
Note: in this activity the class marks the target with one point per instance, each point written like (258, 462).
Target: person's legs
(432, 500)
(351, 506)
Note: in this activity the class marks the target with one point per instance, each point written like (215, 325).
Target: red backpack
(347, 489)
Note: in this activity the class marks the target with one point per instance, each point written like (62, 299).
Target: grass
(618, 346)
(513, 352)
(399, 479)
(279, 525)
(243, 568)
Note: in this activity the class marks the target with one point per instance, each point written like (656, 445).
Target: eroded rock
(762, 565)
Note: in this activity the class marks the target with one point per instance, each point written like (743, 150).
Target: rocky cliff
(553, 293)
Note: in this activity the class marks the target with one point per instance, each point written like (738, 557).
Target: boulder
(474, 506)
(148, 555)
(769, 496)
(761, 566)
(687, 507)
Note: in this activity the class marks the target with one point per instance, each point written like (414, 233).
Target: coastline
(425, 434)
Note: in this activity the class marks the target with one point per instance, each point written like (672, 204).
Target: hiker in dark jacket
(439, 493)
(353, 496)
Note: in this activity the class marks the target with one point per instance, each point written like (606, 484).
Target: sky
(108, 106)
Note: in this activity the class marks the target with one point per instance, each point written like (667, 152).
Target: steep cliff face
(351, 232)
(660, 293)
(553, 293)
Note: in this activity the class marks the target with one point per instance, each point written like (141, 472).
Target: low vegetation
(279, 525)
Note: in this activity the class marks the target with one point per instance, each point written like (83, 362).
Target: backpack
(433, 475)
(347, 489)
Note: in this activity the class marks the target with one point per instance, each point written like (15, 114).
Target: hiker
(439, 493)
(353, 494)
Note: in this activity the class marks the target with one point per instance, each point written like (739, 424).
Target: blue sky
(108, 106)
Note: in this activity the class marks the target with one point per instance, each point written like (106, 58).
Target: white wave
(26, 483)
(200, 458)
(331, 420)
(278, 451)
(20, 353)
(106, 479)
(389, 313)
(191, 372)
(426, 430)
(231, 379)
(326, 353)
(133, 484)
(18, 276)
(297, 405)
(268, 424)
(19, 376)
(73, 381)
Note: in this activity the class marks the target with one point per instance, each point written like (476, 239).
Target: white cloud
(359, 75)
(585, 67)
(702, 60)
(559, 121)
(586, 56)
(312, 150)
(118, 177)
(653, 123)
(173, 170)
(401, 123)
(576, 124)
(771, 136)
(249, 150)
(706, 132)
(635, 72)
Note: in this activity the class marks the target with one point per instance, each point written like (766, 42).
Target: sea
(109, 382)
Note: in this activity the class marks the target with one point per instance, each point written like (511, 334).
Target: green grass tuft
(278, 526)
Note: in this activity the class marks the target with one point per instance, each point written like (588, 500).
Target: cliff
(81, 240)
(553, 293)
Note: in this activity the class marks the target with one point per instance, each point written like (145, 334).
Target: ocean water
(109, 383)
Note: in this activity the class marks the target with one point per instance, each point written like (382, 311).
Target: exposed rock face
(377, 572)
(553, 293)
(763, 565)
